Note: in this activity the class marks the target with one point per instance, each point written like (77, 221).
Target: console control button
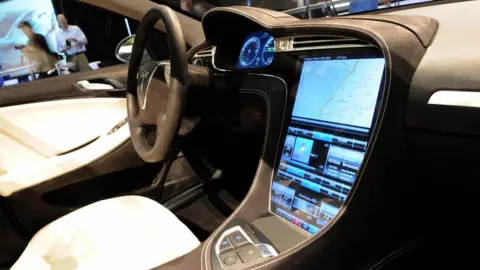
(229, 258)
(248, 253)
(237, 239)
(264, 250)
(225, 245)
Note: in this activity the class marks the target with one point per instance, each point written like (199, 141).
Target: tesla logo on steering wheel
(143, 76)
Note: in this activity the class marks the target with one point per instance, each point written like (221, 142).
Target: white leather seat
(129, 232)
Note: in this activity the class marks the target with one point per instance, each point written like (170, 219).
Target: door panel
(54, 127)
(58, 128)
(53, 135)
(61, 87)
(62, 147)
(47, 139)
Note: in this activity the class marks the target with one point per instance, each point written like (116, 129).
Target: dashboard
(335, 87)
(356, 137)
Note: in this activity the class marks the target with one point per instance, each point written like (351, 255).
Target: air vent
(207, 52)
(318, 43)
(203, 57)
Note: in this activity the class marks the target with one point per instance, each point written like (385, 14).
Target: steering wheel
(156, 91)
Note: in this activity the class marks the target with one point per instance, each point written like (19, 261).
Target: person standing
(72, 41)
(36, 50)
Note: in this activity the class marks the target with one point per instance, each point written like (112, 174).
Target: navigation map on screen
(342, 91)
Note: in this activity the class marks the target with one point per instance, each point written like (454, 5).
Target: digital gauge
(257, 51)
(249, 52)
(268, 51)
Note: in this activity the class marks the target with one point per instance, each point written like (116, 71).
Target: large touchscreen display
(327, 137)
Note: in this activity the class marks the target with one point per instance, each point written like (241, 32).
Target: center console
(242, 243)
(326, 131)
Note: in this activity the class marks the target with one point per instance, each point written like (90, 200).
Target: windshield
(303, 9)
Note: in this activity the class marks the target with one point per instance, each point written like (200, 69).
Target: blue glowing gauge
(249, 52)
(268, 51)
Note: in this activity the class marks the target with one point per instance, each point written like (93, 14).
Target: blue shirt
(362, 5)
(73, 32)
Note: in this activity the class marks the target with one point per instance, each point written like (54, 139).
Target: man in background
(36, 50)
(72, 41)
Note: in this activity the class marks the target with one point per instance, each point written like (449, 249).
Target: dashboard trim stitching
(379, 120)
(207, 246)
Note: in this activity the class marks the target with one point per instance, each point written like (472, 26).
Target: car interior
(251, 138)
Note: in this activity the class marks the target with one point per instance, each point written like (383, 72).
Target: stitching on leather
(301, 245)
(397, 253)
(206, 248)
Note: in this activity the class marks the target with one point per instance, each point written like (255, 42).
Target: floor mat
(201, 217)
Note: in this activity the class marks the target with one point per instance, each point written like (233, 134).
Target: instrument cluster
(257, 51)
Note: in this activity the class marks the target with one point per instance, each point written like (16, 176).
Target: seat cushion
(129, 232)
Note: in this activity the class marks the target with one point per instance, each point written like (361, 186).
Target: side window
(45, 38)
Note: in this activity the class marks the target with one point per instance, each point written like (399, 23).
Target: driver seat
(129, 232)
